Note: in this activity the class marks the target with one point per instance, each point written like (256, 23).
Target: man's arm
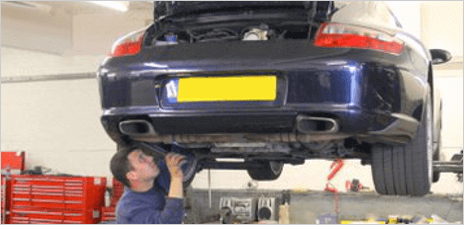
(173, 162)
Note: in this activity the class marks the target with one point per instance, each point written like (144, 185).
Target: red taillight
(349, 36)
(128, 45)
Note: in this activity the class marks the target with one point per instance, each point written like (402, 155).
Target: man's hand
(173, 162)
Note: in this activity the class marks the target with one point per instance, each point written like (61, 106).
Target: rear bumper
(372, 96)
(277, 126)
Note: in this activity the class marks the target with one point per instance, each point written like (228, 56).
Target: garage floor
(307, 207)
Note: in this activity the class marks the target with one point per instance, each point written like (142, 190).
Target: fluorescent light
(28, 5)
(122, 6)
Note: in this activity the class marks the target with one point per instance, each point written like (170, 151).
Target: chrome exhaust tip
(309, 124)
(136, 127)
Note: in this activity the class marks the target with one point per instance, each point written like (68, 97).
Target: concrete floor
(306, 207)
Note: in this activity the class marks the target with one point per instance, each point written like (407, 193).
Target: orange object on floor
(335, 167)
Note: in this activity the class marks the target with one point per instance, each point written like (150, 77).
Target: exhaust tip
(307, 124)
(136, 127)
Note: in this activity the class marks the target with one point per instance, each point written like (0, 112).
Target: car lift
(452, 166)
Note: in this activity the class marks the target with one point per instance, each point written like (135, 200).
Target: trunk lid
(163, 9)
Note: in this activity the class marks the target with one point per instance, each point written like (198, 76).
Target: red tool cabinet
(12, 163)
(108, 213)
(6, 190)
(118, 190)
(56, 199)
(13, 160)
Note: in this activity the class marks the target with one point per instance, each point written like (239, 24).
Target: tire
(187, 183)
(190, 169)
(436, 154)
(436, 157)
(269, 170)
(406, 170)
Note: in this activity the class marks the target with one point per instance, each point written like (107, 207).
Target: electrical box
(233, 210)
(267, 208)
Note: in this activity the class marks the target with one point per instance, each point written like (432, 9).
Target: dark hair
(120, 165)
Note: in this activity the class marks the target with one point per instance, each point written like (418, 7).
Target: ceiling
(74, 7)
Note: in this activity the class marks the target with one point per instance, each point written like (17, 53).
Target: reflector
(128, 45)
(349, 36)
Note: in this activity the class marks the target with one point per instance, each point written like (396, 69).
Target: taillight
(128, 45)
(334, 35)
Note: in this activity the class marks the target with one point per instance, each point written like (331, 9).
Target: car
(275, 83)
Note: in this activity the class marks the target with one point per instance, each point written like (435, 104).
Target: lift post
(452, 166)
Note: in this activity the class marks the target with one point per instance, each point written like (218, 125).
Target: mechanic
(148, 180)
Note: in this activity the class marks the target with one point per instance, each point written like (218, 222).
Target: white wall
(57, 122)
(19, 62)
(36, 30)
(443, 25)
(94, 34)
(450, 83)
(409, 15)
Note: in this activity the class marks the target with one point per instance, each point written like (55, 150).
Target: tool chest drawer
(57, 192)
(55, 216)
(108, 213)
(51, 196)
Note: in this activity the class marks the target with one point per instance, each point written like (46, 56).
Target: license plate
(213, 89)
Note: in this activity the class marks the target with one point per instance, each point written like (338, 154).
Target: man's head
(132, 165)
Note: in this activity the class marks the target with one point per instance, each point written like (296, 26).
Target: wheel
(436, 157)
(190, 165)
(406, 170)
(268, 170)
(190, 169)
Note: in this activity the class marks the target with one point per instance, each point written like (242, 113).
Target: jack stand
(336, 200)
(335, 168)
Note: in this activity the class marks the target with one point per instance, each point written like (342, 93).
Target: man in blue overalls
(154, 186)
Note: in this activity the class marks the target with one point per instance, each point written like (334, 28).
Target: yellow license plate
(239, 88)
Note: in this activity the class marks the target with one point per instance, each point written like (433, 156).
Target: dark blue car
(274, 83)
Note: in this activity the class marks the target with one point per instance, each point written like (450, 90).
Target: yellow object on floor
(284, 214)
(361, 222)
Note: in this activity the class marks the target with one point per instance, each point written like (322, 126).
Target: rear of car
(270, 83)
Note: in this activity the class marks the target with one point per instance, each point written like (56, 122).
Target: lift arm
(452, 166)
